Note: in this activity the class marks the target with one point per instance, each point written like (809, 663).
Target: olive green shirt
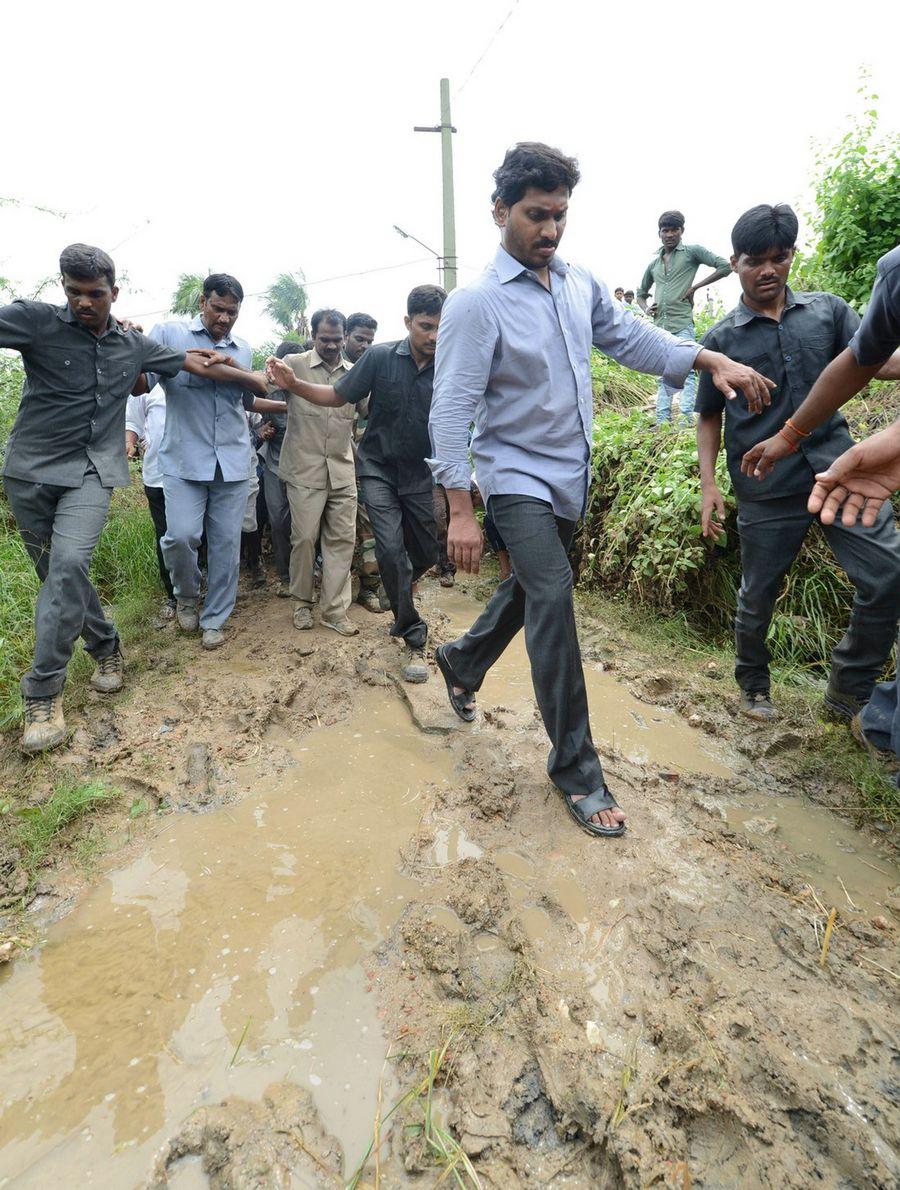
(674, 313)
(316, 451)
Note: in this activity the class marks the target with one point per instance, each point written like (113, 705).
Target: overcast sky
(259, 137)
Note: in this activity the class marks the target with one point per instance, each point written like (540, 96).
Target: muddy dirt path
(370, 877)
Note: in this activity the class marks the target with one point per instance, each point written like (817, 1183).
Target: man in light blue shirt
(513, 356)
(206, 462)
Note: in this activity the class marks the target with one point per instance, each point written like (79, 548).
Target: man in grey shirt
(65, 454)
(514, 357)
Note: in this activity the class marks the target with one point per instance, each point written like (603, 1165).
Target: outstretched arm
(282, 376)
(210, 368)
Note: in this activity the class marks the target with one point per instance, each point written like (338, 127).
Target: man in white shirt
(145, 423)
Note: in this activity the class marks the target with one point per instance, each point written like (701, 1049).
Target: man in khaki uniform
(317, 466)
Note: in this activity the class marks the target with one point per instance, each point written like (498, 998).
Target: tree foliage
(286, 303)
(856, 218)
(187, 293)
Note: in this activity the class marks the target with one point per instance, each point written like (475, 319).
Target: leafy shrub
(642, 539)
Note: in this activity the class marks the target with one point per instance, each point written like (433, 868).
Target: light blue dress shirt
(514, 358)
(205, 422)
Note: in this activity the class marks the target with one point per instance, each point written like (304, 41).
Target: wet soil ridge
(665, 1009)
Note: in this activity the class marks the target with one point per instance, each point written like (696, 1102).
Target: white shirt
(146, 416)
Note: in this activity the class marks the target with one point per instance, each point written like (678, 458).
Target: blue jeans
(665, 392)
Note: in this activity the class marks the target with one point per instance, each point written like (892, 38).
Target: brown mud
(247, 991)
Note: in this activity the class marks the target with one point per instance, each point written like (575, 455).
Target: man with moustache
(317, 465)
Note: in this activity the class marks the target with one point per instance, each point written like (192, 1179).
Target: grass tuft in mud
(39, 828)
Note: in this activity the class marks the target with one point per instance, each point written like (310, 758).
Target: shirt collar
(66, 315)
(315, 361)
(508, 268)
(402, 348)
(743, 314)
(196, 325)
(679, 248)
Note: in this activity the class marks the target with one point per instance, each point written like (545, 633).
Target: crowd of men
(370, 453)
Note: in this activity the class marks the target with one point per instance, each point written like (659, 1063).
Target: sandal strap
(600, 799)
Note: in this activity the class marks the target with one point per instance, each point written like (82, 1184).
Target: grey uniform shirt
(514, 357)
(814, 328)
(879, 334)
(72, 413)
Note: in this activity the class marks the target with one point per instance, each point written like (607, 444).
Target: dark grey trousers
(60, 528)
(279, 510)
(156, 502)
(538, 595)
(772, 532)
(405, 547)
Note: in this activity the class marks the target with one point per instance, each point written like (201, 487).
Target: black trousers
(156, 501)
(405, 547)
(538, 596)
(772, 532)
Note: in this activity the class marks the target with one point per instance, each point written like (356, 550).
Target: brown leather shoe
(45, 726)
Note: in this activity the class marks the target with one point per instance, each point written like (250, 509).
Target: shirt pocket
(816, 352)
(70, 369)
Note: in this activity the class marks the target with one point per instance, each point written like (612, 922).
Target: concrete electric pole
(446, 129)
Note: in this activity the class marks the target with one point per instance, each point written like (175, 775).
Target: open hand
(728, 376)
(860, 480)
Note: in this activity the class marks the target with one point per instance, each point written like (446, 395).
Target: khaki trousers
(327, 515)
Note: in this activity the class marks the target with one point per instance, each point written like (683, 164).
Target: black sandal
(582, 811)
(457, 701)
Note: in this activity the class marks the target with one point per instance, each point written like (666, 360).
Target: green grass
(40, 827)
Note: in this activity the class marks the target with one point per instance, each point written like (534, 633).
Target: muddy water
(640, 731)
(821, 847)
(253, 921)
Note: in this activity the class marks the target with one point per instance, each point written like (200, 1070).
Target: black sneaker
(757, 705)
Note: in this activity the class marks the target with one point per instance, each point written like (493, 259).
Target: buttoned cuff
(451, 475)
(679, 363)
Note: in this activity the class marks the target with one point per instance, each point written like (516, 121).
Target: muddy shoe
(283, 590)
(165, 615)
(447, 579)
(186, 616)
(256, 576)
(345, 627)
(415, 670)
(757, 705)
(213, 638)
(45, 726)
(840, 705)
(858, 733)
(370, 601)
(109, 674)
(302, 618)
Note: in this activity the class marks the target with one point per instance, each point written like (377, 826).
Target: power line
(321, 281)
(484, 52)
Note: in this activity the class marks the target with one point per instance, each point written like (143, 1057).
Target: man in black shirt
(394, 479)
(790, 337)
(65, 454)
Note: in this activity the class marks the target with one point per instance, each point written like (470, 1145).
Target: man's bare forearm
(709, 439)
(322, 395)
(267, 405)
(841, 380)
(460, 501)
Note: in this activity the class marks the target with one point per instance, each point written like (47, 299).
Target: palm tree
(286, 303)
(186, 298)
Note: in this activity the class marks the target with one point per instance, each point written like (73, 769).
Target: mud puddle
(641, 732)
(853, 875)
(231, 954)
(815, 843)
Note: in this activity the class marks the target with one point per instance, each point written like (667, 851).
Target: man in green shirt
(670, 274)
